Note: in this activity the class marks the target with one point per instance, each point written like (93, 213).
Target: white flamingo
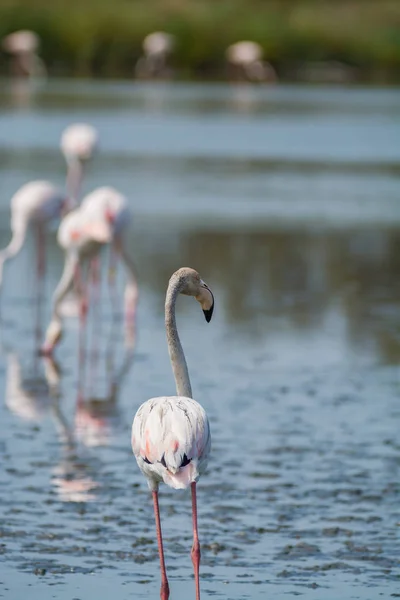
(33, 205)
(170, 434)
(22, 46)
(79, 142)
(102, 219)
(38, 202)
(157, 48)
(245, 59)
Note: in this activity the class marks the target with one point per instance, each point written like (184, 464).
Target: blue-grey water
(287, 201)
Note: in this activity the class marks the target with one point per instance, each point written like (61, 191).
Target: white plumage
(171, 441)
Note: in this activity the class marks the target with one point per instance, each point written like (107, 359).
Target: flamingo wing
(171, 440)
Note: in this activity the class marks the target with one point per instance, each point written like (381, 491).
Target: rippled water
(287, 201)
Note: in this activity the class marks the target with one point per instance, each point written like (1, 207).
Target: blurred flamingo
(170, 434)
(22, 46)
(157, 48)
(102, 220)
(79, 142)
(38, 202)
(34, 204)
(245, 61)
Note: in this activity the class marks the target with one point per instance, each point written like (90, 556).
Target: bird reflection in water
(71, 478)
(96, 414)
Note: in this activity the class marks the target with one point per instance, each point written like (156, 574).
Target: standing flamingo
(22, 46)
(245, 61)
(157, 48)
(101, 220)
(170, 434)
(79, 142)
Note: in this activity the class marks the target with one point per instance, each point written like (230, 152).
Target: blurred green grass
(103, 37)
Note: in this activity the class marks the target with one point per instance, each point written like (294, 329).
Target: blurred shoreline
(348, 41)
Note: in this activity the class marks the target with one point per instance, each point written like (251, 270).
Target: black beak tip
(209, 313)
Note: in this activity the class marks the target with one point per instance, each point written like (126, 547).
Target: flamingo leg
(112, 270)
(82, 322)
(40, 257)
(164, 591)
(195, 553)
(96, 333)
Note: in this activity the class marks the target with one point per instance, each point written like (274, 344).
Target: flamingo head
(191, 284)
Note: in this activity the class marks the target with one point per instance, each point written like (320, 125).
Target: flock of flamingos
(244, 59)
(170, 434)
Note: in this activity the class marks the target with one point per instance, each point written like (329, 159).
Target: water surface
(287, 201)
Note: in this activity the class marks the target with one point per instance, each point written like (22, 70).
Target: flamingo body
(107, 203)
(171, 441)
(99, 221)
(36, 201)
(157, 48)
(34, 204)
(246, 60)
(22, 46)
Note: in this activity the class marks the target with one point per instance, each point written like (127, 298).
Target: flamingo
(246, 61)
(157, 48)
(171, 435)
(102, 219)
(38, 202)
(79, 142)
(35, 203)
(22, 46)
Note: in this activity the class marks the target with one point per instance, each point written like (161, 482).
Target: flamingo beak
(206, 299)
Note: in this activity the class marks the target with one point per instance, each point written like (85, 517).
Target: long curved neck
(65, 284)
(178, 362)
(13, 247)
(74, 181)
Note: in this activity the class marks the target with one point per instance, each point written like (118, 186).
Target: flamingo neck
(178, 361)
(14, 246)
(74, 181)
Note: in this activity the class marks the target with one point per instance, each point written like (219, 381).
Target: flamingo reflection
(96, 414)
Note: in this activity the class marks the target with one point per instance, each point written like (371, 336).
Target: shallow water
(288, 203)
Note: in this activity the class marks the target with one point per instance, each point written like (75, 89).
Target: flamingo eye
(185, 461)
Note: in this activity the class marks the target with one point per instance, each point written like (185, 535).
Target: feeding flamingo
(101, 220)
(34, 204)
(170, 434)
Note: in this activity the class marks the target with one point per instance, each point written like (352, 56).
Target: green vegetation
(103, 37)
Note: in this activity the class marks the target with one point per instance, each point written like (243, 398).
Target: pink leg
(112, 269)
(196, 544)
(95, 302)
(40, 257)
(82, 321)
(40, 250)
(164, 591)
